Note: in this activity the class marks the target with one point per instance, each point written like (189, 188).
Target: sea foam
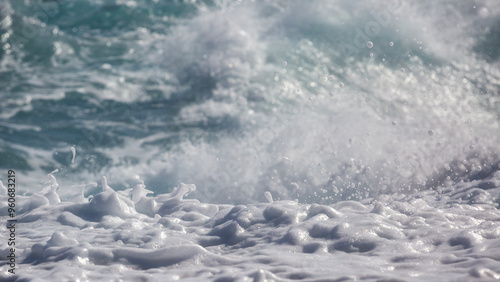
(452, 231)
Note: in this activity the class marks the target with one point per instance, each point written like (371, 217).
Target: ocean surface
(250, 140)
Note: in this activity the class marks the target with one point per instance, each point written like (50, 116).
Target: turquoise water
(316, 101)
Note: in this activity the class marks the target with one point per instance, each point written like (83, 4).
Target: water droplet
(73, 151)
(430, 132)
(394, 123)
(391, 43)
(369, 44)
(268, 196)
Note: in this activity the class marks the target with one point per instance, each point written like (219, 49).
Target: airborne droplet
(268, 196)
(73, 151)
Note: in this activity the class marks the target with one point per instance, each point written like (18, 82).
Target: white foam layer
(451, 232)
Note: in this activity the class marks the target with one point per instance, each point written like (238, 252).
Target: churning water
(317, 102)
